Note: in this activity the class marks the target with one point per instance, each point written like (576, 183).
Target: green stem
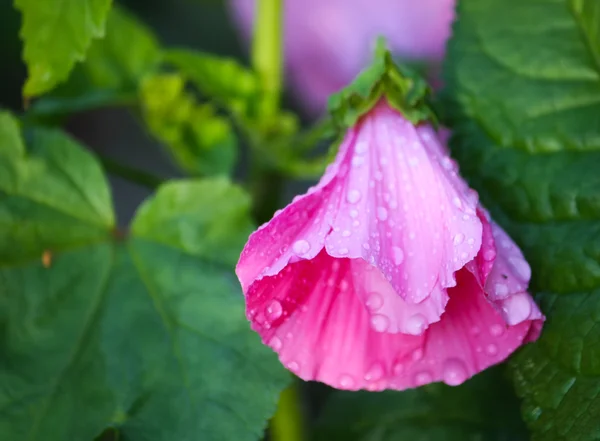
(140, 177)
(287, 424)
(267, 53)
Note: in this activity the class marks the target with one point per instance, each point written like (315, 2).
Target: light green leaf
(56, 34)
(112, 71)
(220, 79)
(202, 142)
(523, 94)
(484, 408)
(142, 331)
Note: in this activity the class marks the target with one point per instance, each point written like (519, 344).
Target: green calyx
(404, 90)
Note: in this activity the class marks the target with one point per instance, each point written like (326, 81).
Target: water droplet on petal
(301, 247)
(475, 330)
(457, 202)
(418, 354)
(353, 213)
(489, 255)
(374, 373)
(374, 301)
(366, 246)
(274, 310)
(517, 308)
(346, 381)
(382, 213)
(491, 349)
(398, 368)
(343, 251)
(380, 323)
(293, 366)
(496, 330)
(423, 378)
(398, 255)
(459, 238)
(455, 372)
(353, 196)
(361, 147)
(416, 324)
(346, 233)
(357, 161)
(275, 343)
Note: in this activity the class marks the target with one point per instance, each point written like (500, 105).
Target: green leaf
(143, 331)
(112, 71)
(57, 34)
(221, 79)
(523, 97)
(403, 89)
(484, 408)
(202, 142)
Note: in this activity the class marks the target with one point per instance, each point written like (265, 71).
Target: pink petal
(391, 198)
(312, 314)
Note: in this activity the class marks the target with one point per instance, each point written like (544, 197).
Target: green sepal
(403, 88)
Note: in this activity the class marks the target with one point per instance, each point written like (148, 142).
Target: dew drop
(517, 308)
(366, 246)
(274, 310)
(293, 366)
(343, 251)
(378, 175)
(398, 368)
(422, 378)
(374, 373)
(361, 147)
(457, 202)
(491, 349)
(455, 372)
(344, 285)
(380, 323)
(416, 324)
(489, 255)
(459, 238)
(374, 301)
(413, 161)
(496, 330)
(346, 233)
(353, 214)
(275, 343)
(301, 247)
(353, 196)
(382, 213)
(398, 255)
(475, 330)
(417, 355)
(346, 381)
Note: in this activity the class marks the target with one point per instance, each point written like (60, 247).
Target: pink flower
(327, 42)
(388, 274)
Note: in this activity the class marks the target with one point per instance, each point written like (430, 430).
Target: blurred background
(198, 24)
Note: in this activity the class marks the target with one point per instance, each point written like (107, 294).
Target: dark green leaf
(484, 408)
(144, 331)
(523, 94)
(404, 90)
(57, 34)
(202, 142)
(112, 71)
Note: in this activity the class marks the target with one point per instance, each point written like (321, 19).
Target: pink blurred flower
(388, 273)
(327, 42)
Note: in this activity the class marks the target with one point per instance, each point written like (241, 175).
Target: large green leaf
(112, 70)
(483, 408)
(143, 331)
(56, 34)
(523, 89)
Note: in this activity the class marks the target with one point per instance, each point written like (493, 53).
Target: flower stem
(287, 424)
(267, 53)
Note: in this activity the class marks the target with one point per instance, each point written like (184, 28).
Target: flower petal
(313, 316)
(403, 208)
